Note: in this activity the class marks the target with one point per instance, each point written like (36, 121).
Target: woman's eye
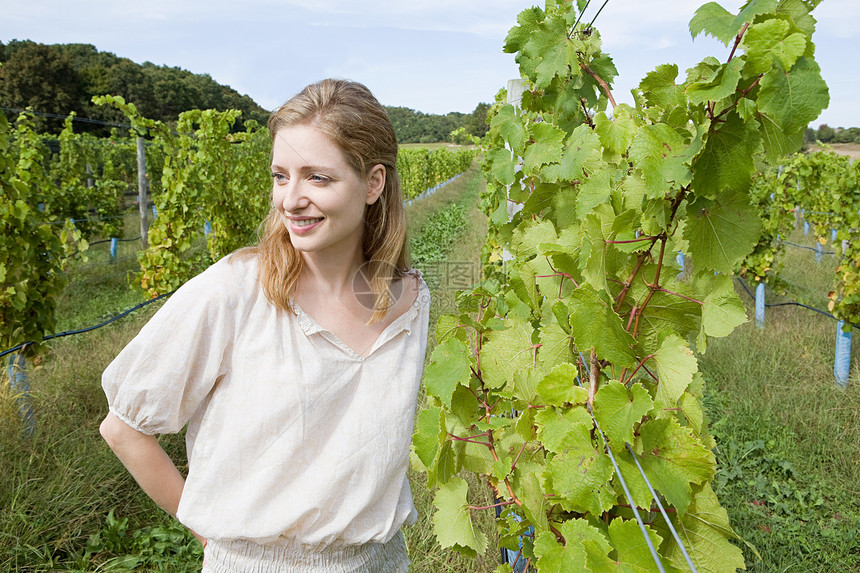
(279, 177)
(319, 178)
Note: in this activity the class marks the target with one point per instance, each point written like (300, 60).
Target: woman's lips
(305, 224)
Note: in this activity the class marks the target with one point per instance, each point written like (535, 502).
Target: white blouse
(292, 438)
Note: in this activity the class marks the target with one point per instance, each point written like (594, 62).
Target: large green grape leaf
(666, 313)
(776, 142)
(632, 554)
(529, 234)
(553, 556)
(594, 324)
(558, 387)
(799, 13)
(660, 90)
(452, 522)
(559, 427)
(718, 86)
(510, 127)
(714, 20)
(449, 366)
(618, 410)
(501, 166)
(593, 192)
(581, 155)
(507, 351)
(727, 161)
(793, 99)
(600, 258)
(555, 344)
(674, 459)
(676, 365)
(535, 504)
(428, 430)
(772, 40)
(751, 9)
(617, 133)
(580, 479)
(662, 155)
(557, 60)
(722, 309)
(705, 531)
(721, 232)
(545, 149)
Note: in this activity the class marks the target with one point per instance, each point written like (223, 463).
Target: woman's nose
(293, 197)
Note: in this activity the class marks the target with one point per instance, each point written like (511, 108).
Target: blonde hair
(348, 114)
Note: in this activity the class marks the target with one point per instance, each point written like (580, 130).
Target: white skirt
(242, 556)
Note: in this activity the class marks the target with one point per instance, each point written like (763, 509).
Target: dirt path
(852, 150)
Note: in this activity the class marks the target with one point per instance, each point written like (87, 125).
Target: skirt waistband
(243, 556)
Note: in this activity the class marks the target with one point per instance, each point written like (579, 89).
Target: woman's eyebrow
(307, 168)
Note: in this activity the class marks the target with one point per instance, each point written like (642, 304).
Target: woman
(295, 363)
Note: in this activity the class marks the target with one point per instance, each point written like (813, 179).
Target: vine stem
(630, 241)
(738, 39)
(743, 94)
(654, 287)
(601, 82)
(632, 374)
(640, 260)
(661, 289)
(514, 497)
(593, 376)
(522, 449)
(500, 504)
(459, 439)
(575, 284)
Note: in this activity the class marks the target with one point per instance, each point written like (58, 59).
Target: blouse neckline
(403, 322)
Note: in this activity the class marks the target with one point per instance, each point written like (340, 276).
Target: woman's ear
(375, 183)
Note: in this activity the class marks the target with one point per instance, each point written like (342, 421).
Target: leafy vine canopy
(573, 363)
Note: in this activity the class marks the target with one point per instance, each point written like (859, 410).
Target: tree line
(60, 78)
(827, 134)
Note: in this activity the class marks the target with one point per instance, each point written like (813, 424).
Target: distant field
(435, 145)
(852, 150)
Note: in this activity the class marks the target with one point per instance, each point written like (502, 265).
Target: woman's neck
(329, 275)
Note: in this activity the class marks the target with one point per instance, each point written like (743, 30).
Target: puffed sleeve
(160, 378)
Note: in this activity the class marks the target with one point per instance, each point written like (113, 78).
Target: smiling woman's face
(321, 198)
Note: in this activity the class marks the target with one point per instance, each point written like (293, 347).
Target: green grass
(788, 439)
(458, 197)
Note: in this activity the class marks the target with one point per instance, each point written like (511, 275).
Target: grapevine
(582, 322)
(33, 251)
(824, 186)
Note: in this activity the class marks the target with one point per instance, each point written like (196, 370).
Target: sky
(433, 56)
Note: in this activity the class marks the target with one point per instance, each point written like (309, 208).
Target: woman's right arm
(147, 462)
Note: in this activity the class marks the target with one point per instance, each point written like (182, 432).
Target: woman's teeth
(306, 222)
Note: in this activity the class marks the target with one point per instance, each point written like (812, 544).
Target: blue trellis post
(19, 386)
(759, 305)
(113, 245)
(818, 251)
(842, 361)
